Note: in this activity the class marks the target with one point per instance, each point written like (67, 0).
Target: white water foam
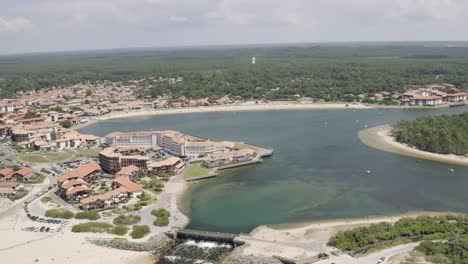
(206, 244)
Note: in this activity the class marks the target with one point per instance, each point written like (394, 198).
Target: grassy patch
(196, 170)
(139, 231)
(20, 194)
(37, 179)
(87, 153)
(127, 220)
(239, 145)
(90, 215)
(59, 213)
(46, 199)
(31, 158)
(162, 217)
(119, 230)
(92, 227)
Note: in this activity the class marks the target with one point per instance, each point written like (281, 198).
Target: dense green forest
(446, 134)
(405, 230)
(322, 72)
(453, 252)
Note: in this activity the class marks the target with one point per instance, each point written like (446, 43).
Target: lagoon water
(318, 171)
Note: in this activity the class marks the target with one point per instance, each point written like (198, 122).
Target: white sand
(248, 106)
(5, 203)
(309, 239)
(17, 246)
(380, 138)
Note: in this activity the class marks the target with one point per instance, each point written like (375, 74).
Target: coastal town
(55, 180)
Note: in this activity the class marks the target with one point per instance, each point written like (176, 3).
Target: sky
(61, 25)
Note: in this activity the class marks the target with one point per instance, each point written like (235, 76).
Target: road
(371, 258)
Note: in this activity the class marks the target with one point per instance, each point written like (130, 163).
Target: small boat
(457, 104)
(452, 170)
(368, 172)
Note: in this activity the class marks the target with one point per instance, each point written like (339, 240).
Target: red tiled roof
(128, 170)
(456, 94)
(103, 197)
(72, 183)
(25, 172)
(6, 172)
(78, 189)
(128, 184)
(80, 172)
(9, 184)
(7, 190)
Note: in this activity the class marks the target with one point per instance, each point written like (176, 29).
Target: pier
(206, 236)
(239, 164)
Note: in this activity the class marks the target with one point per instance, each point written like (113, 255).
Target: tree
(89, 93)
(30, 114)
(66, 123)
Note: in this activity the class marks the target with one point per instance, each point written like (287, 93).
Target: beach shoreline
(379, 137)
(243, 107)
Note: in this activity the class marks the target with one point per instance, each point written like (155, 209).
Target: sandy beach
(240, 107)
(380, 138)
(298, 241)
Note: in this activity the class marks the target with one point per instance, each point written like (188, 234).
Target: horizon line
(442, 43)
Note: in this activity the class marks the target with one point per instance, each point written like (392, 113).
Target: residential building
(122, 189)
(74, 184)
(113, 159)
(223, 159)
(172, 164)
(9, 189)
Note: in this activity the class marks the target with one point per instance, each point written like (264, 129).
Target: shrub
(93, 227)
(144, 197)
(139, 231)
(161, 221)
(162, 217)
(127, 220)
(119, 230)
(161, 213)
(90, 215)
(58, 213)
(46, 199)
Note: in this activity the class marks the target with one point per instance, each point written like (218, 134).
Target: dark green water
(318, 170)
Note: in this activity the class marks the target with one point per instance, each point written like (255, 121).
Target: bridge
(206, 236)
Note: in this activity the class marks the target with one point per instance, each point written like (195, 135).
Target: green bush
(144, 197)
(119, 230)
(93, 227)
(161, 221)
(58, 213)
(139, 231)
(46, 199)
(162, 217)
(161, 213)
(90, 215)
(127, 220)
(361, 239)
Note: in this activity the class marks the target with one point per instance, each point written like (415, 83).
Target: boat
(457, 104)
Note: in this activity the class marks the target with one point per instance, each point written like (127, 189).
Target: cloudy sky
(53, 25)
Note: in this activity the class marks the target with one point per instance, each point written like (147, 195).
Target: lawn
(196, 170)
(20, 194)
(239, 145)
(54, 157)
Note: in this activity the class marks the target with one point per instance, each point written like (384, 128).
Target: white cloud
(17, 24)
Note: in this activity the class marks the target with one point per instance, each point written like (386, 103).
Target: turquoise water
(318, 170)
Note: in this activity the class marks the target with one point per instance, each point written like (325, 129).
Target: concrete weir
(206, 236)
